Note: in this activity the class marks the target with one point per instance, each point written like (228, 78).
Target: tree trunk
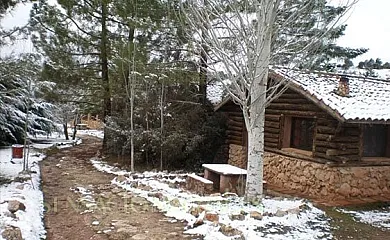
(203, 77)
(132, 93)
(132, 83)
(75, 126)
(74, 132)
(162, 123)
(65, 125)
(104, 65)
(132, 127)
(203, 67)
(259, 61)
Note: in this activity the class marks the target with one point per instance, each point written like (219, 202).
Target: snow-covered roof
(368, 99)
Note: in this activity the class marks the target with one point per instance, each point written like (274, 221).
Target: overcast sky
(368, 27)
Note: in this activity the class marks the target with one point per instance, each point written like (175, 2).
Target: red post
(17, 151)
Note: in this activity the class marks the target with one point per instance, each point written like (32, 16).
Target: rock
(229, 194)
(196, 210)
(324, 191)
(22, 178)
(212, 217)
(359, 172)
(144, 187)
(158, 195)
(10, 214)
(229, 231)
(139, 201)
(256, 215)
(117, 190)
(126, 195)
(20, 187)
(12, 233)
(355, 192)
(281, 213)
(128, 230)
(215, 195)
(304, 207)
(121, 178)
(173, 234)
(95, 223)
(123, 232)
(294, 210)
(238, 216)
(268, 214)
(106, 195)
(15, 205)
(199, 221)
(345, 189)
(175, 202)
(139, 237)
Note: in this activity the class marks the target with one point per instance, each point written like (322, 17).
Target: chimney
(343, 89)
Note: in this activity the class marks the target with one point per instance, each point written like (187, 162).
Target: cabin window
(302, 131)
(376, 141)
(298, 133)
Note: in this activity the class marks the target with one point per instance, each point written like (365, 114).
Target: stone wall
(237, 156)
(199, 185)
(321, 181)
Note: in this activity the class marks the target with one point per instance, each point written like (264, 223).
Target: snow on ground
(282, 218)
(95, 133)
(25, 189)
(378, 218)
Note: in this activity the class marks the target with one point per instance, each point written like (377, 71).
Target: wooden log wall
(272, 130)
(333, 141)
(337, 142)
(235, 124)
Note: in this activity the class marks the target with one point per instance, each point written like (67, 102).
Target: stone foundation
(321, 181)
(237, 156)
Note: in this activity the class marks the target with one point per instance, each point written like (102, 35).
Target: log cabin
(326, 135)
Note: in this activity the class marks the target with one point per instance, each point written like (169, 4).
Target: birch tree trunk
(259, 62)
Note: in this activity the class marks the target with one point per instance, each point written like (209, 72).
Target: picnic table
(225, 177)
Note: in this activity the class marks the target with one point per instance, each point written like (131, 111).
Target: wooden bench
(226, 178)
(82, 126)
(199, 184)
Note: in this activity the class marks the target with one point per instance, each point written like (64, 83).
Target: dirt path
(82, 204)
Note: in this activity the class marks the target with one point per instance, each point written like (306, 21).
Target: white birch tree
(239, 38)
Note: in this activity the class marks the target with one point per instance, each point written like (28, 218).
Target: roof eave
(222, 103)
(310, 97)
(367, 121)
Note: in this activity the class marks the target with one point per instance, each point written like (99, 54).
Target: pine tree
(347, 64)
(316, 15)
(19, 95)
(75, 38)
(386, 65)
(6, 4)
